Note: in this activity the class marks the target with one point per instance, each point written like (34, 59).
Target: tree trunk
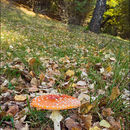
(95, 23)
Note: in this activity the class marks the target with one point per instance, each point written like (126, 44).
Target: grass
(26, 35)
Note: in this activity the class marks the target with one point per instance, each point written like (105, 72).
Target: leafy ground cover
(40, 55)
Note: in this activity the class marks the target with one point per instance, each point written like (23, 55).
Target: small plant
(10, 86)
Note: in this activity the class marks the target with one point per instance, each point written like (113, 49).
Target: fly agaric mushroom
(55, 103)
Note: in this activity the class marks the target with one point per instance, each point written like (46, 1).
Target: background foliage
(79, 12)
(118, 14)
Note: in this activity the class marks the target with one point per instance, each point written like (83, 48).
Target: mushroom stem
(56, 118)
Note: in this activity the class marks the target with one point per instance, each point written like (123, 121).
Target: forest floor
(41, 55)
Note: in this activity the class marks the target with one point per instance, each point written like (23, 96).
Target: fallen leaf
(71, 124)
(91, 86)
(13, 81)
(33, 89)
(81, 83)
(103, 101)
(85, 108)
(3, 89)
(54, 66)
(100, 91)
(109, 69)
(112, 59)
(84, 74)
(21, 115)
(102, 70)
(20, 98)
(106, 112)
(42, 77)
(26, 76)
(18, 124)
(26, 127)
(84, 96)
(73, 85)
(115, 93)
(87, 120)
(76, 128)
(115, 126)
(104, 123)
(70, 73)
(13, 110)
(32, 61)
(2, 114)
(5, 83)
(34, 82)
(95, 128)
(32, 73)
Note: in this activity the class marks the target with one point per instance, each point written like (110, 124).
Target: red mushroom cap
(55, 102)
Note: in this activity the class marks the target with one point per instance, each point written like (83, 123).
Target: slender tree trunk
(95, 23)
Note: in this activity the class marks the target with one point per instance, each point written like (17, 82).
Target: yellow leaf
(32, 73)
(82, 57)
(20, 98)
(70, 73)
(104, 123)
(95, 128)
(73, 85)
(115, 93)
(86, 107)
(109, 69)
(67, 57)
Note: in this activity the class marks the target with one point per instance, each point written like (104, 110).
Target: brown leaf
(75, 128)
(32, 61)
(2, 114)
(26, 76)
(34, 82)
(71, 124)
(20, 98)
(106, 112)
(54, 66)
(18, 124)
(13, 110)
(33, 89)
(103, 101)
(115, 125)
(3, 89)
(115, 93)
(42, 77)
(87, 119)
(88, 66)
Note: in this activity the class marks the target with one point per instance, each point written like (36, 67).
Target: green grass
(25, 36)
